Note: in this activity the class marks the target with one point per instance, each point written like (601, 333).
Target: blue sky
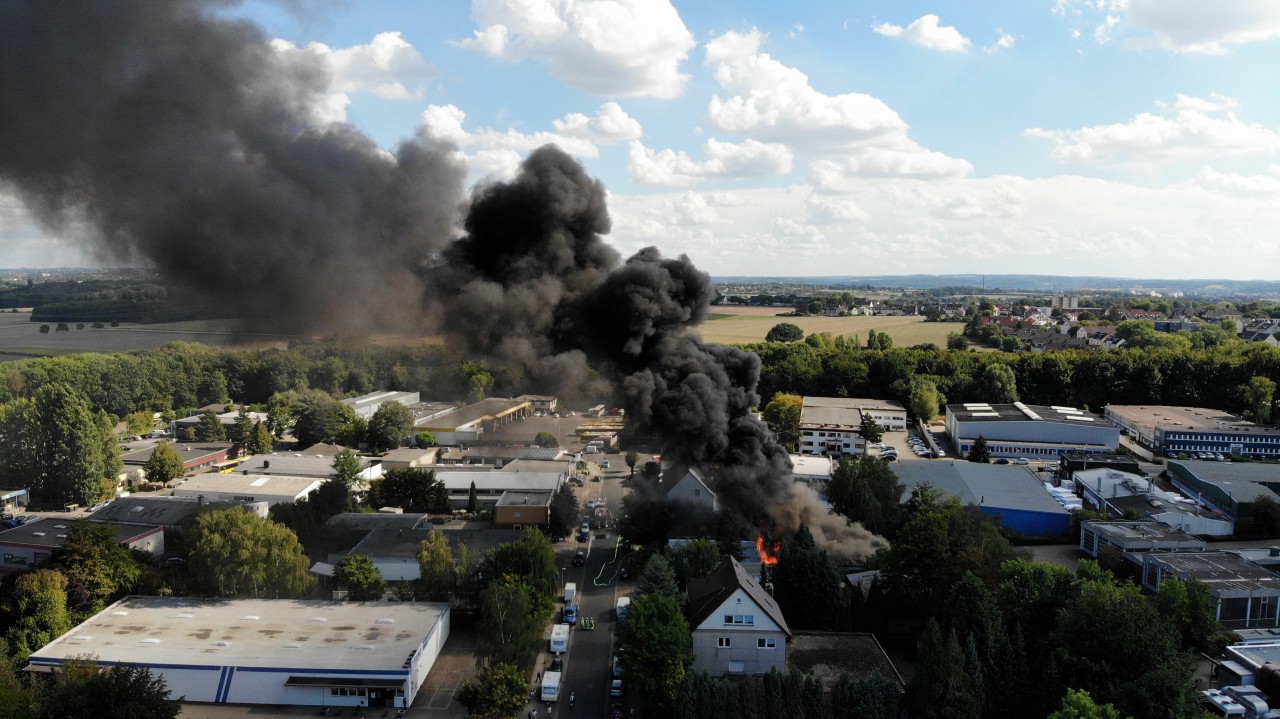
(1112, 137)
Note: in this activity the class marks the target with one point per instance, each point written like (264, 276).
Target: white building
(491, 485)
(689, 487)
(366, 405)
(830, 425)
(298, 464)
(737, 628)
(271, 490)
(266, 651)
(811, 470)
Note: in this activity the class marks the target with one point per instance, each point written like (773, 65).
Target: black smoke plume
(171, 133)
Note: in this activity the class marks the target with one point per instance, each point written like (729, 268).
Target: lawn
(743, 325)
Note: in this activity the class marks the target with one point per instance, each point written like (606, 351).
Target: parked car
(615, 710)
(604, 464)
(999, 460)
(615, 688)
(571, 614)
(557, 665)
(583, 536)
(1022, 460)
(579, 558)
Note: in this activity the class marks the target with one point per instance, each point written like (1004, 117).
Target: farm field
(21, 338)
(744, 325)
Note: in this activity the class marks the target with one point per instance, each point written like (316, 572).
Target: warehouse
(247, 488)
(1187, 430)
(1245, 594)
(1132, 539)
(1008, 492)
(266, 651)
(491, 485)
(468, 424)
(366, 405)
(1019, 430)
(1231, 487)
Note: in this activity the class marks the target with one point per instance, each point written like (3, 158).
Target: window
(724, 642)
(740, 619)
(769, 643)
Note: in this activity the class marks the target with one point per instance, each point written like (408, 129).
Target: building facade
(737, 627)
(1020, 430)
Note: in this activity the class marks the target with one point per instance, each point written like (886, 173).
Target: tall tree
(866, 490)
(413, 490)
(870, 429)
(694, 560)
(236, 553)
(783, 415)
(438, 575)
(658, 578)
(1260, 396)
(137, 423)
(210, 428)
(564, 509)
(923, 398)
(390, 425)
(998, 384)
(805, 584)
(510, 627)
(784, 332)
(531, 558)
(655, 651)
(546, 439)
(38, 604)
(1079, 705)
(99, 569)
(497, 693)
(346, 467)
(980, 452)
(56, 445)
(941, 688)
(164, 465)
(242, 431)
(360, 577)
(631, 458)
(261, 441)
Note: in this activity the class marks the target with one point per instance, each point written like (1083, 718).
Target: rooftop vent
(249, 618)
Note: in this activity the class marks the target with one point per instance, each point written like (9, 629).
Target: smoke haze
(181, 137)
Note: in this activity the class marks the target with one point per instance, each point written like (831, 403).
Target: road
(587, 663)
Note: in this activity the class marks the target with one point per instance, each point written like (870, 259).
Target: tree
(1079, 705)
(138, 423)
(83, 690)
(320, 418)
(164, 465)
(655, 650)
(980, 453)
(784, 332)
(870, 429)
(438, 575)
(998, 384)
(98, 568)
(56, 445)
(347, 467)
(805, 584)
(361, 578)
(497, 693)
(532, 559)
(878, 340)
(261, 441)
(473, 500)
(866, 490)
(956, 341)
(424, 440)
(413, 490)
(38, 604)
(242, 431)
(214, 389)
(941, 687)
(1259, 395)
(236, 553)
(923, 398)
(658, 578)
(631, 458)
(783, 415)
(210, 428)
(546, 439)
(564, 510)
(694, 560)
(390, 425)
(510, 626)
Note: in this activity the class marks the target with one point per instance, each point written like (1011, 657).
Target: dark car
(1001, 460)
(579, 558)
(624, 571)
(571, 614)
(584, 535)
(557, 665)
(615, 710)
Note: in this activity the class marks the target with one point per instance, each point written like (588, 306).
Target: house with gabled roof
(689, 487)
(736, 625)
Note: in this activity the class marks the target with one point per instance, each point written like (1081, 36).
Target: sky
(1134, 138)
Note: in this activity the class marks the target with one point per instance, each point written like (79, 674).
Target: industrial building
(523, 509)
(266, 651)
(1187, 430)
(30, 545)
(1122, 494)
(1032, 431)
(1246, 595)
(366, 405)
(815, 471)
(1132, 539)
(491, 485)
(297, 464)
(1231, 487)
(831, 425)
(162, 510)
(465, 425)
(196, 457)
(247, 488)
(1008, 492)
(226, 419)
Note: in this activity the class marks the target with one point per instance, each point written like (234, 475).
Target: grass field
(743, 325)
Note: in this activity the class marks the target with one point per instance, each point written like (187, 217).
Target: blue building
(1010, 493)
(1032, 431)
(1172, 430)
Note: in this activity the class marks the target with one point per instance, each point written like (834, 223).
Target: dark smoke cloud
(183, 138)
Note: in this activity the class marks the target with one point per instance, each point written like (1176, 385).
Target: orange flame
(768, 555)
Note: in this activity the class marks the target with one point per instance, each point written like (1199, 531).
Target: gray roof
(998, 486)
(1221, 473)
(1146, 531)
(294, 464)
(1019, 412)
(472, 413)
(188, 451)
(708, 593)
(53, 532)
(1177, 418)
(164, 510)
(1222, 571)
(512, 499)
(527, 481)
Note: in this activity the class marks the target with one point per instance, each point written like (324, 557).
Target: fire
(768, 554)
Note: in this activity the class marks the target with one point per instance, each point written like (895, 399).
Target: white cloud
(771, 102)
(1004, 42)
(497, 153)
(901, 225)
(616, 48)
(1198, 127)
(724, 159)
(927, 31)
(1182, 26)
(388, 66)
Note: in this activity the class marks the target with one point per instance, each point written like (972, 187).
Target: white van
(570, 592)
(560, 639)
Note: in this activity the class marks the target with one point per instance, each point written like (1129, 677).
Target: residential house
(737, 627)
(691, 488)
